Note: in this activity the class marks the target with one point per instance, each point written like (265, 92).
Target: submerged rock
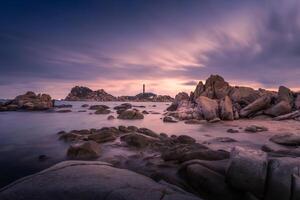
(104, 135)
(98, 107)
(255, 128)
(64, 111)
(85, 150)
(131, 114)
(110, 117)
(137, 140)
(79, 180)
(169, 119)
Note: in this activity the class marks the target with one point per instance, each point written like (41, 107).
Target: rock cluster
(28, 101)
(216, 100)
(80, 93)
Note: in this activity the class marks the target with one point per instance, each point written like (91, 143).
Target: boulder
(63, 111)
(79, 180)
(281, 108)
(255, 129)
(243, 95)
(279, 151)
(147, 132)
(216, 87)
(29, 101)
(295, 193)
(180, 100)
(169, 119)
(137, 140)
(258, 105)
(285, 94)
(297, 102)
(185, 139)
(247, 170)
(123, 106)
(79, 93)
(102, 112)
(71, 136)
(206, 181)
(85, 105)
(200, 88)
(288, 139)
(84, 150)
(293, 115)
(98, 107)
(110, 117)
(131, 114)
(279, 182)
(102, 136)
(226, 111)
(230, 130)
(207, 107)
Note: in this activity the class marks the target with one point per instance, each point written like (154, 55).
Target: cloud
(193, 83)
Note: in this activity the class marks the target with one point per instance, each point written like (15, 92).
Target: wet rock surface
(131, 115)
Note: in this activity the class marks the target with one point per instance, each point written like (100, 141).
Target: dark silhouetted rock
(169, 119)
(254, 129)
(137, 140)
(288, 139)
(131, 114)
(79, 93)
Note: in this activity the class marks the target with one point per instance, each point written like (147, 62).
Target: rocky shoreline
(80, 93)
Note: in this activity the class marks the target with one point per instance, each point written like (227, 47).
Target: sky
(50, 46)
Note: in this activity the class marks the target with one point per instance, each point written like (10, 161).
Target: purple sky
(52, 45)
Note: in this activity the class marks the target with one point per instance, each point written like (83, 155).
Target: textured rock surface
(131, 114)
(79, 93)
(207, 107)
(79, 180)
(258, 105)
(281, 108)
(226, 111)
(84, 150)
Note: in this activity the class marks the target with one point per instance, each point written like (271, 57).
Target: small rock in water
(145, 112)
(288, 139)
(81, 110)
(232, 130)
(217, 119)
(194, 121)
(84, 105)
(254, 129)
(43, 157)
(131, 114)
(64, 111)
(102, 112)
(85, 150)
(169, 119)
(185, 139)
(110, 117)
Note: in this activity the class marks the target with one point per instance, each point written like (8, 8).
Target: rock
(215, 120)
(29, 101)
(169, 119)
(295, 184)
(232, 130)
(223, 139)
(81, 110)
(247, 170)
(43, 157)
(200, 88)
(279, 151)
(102, 112)
(226, 111)
(259, 104)
(291, 115)
(216, 87)
(145, 112)
(281, 108)
(209, 182)
(185, 139)
(137, 140)
(71, 136)
(244, 95)
(147, 132)
(186, 152)
(123, 106)
(207, 107)
(79, 180)
(84, 150)
(64, 111)
(194, 121)
(85, 105)
(63, 106)
(279, 184)
(254, 129)
(288, 139)
(102, 136)
(98, 107)
(110, 117)
(297, 102)
(131, 114)
(285, 94)
(86, 94)
(180, 99)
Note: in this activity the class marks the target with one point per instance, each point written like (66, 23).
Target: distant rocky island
(80, 93)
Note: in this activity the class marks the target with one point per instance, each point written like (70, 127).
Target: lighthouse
(143, 88)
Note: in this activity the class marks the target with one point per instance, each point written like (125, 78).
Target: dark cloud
(192, 83)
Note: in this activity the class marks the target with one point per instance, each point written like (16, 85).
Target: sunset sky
(52, 45)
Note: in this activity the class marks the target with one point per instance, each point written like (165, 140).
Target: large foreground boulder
(288, 139)
(226, 111)
(247, 170)
(79, 180)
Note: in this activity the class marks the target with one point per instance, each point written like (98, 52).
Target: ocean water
(24, 136)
